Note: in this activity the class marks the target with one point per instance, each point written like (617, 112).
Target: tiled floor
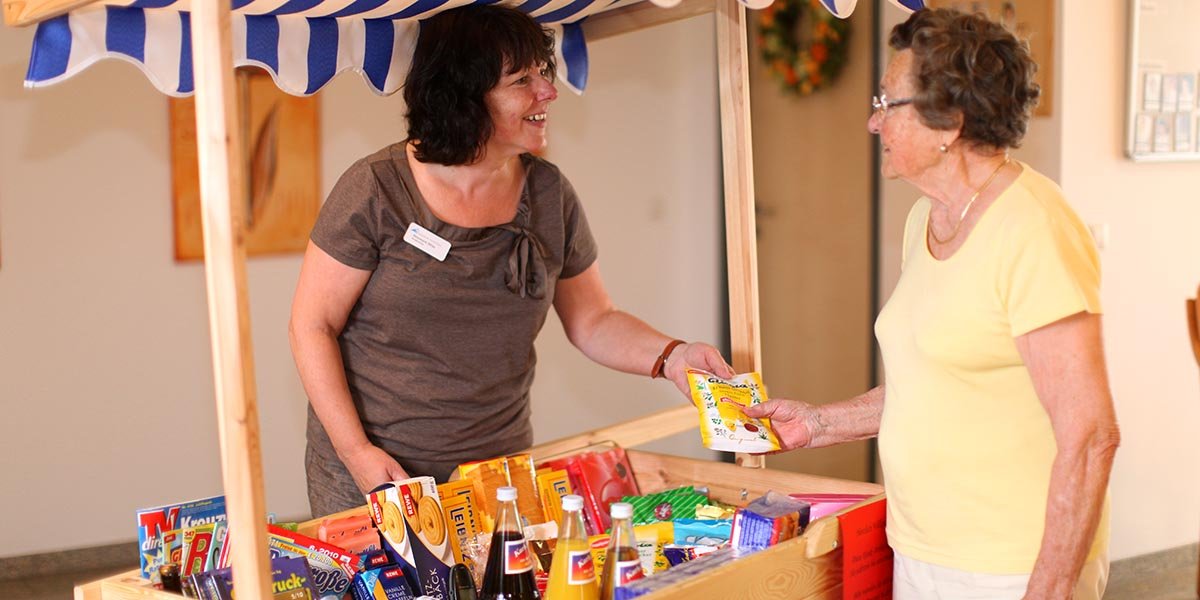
(1177, 582)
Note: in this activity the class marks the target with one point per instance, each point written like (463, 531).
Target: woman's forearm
(1078, 481)
(854, 419)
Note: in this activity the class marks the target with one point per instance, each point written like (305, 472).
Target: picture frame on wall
(1162, 73)
(282, 154)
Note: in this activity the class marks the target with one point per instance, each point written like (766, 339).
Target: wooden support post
(741, 240)
(223, 213)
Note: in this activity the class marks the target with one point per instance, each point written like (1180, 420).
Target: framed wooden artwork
(282, 154)
(1030, 20)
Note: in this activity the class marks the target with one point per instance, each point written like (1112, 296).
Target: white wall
(1151, 265)
(105, 377)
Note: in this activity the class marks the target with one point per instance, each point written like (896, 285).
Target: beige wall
(812, 157)
(1151, 264)
(104, 360)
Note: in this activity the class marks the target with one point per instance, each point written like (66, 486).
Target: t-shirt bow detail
(526, 275)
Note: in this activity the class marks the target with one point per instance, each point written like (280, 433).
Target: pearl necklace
(962, 216)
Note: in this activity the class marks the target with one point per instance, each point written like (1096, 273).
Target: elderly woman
(432, 267)
(996, 426)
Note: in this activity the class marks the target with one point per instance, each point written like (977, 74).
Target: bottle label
(517, 558)
(628, 571)
(580, 570)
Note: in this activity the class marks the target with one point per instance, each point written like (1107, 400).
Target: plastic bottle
(572, 574)
(622, 565)
(509, 571)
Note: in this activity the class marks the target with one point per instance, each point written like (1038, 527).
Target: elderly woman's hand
(695, 356)
(795, 422)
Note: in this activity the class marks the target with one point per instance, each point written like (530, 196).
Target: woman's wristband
(660, 363)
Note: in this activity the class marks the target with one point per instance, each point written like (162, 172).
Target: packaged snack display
(702, 532)
(509, 572)
(354, 533)
(388, 583)
(601, 475)
(512, 471)
(463, 521)
(679, 503)
(413, 524)
(153, 522)
(723, 425)
(768, 520)
(572, 571)
(552, 485)
(651, 538)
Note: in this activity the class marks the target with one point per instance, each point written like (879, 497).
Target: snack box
(768, 520)
(413, 524)
(387, 583)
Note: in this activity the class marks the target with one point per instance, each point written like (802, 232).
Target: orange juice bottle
(572, 573)
(621, 565)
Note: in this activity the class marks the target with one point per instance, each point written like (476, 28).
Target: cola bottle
(509, 571)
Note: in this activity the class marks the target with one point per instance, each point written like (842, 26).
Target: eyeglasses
(882, 103)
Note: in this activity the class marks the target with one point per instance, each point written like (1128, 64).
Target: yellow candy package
(723, 426)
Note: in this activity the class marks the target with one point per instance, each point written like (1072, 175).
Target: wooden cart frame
(810, 562)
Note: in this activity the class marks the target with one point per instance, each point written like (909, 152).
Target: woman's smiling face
(518, 105)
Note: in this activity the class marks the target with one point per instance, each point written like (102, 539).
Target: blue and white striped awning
(303, 44)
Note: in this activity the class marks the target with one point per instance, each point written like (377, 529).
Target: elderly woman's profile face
(518, 108)
(909, 147)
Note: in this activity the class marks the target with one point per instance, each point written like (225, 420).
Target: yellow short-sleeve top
(965, 444)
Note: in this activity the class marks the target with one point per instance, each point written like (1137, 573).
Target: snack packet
(723, 425)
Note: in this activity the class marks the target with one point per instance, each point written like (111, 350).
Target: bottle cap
(572, 502)
(506, 494)
(621, 510)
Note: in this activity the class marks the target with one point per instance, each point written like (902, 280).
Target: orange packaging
(552, 485)
(516, 471)
(463, 522)
(486, 476)
(521, 475)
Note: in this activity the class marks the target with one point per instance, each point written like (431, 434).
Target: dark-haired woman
(432, 267)
(996, 425)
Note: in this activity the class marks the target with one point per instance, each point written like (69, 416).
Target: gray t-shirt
(439, 356)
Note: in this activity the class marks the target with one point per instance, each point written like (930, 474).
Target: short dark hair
(459, 56)
(965, 65)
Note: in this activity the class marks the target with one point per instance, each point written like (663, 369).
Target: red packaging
(601, 477)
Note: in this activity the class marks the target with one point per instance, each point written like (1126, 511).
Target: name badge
(426, 241)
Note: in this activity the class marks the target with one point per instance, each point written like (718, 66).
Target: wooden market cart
(807, 567)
